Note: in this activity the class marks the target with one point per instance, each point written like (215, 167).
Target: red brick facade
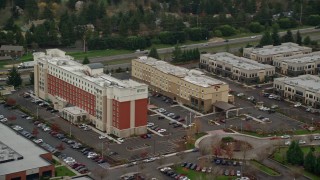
(121, 114)
(72, 94)
(141, 112)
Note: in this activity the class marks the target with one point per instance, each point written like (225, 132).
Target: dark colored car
(217, 161)
(177, 125)
(160, 117)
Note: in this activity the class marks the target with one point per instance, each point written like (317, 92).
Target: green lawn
(265, 168)
(64, 171)
(98, 53)
(280, 156)
(195, 174)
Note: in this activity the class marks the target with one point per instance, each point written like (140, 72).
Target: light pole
(70, 130)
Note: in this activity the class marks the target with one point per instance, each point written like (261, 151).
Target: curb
(285, 167)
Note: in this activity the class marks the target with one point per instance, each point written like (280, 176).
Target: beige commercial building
(267, 54)
(190, 87)
(298, 64)
(304, 89)
(237, 68)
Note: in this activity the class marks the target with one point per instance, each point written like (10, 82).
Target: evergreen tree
(310, 162)
(31, 78)
(307, 40)
(14, 77)
(298, 38)
(177, 53)
(317, 166)
(288, 37)
(32, 8)
(123, 28)
(266, 39)
(2, 4)
(19, 39)
(275, 37)
(153, 53)
(86, 60)
(295, 154)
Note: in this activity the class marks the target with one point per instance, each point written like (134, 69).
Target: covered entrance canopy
(223, 106)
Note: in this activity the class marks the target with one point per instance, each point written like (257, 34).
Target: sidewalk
(105, 134)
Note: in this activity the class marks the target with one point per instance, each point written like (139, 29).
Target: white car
(240, 94)
(285, 137)
(92, 155)
(1, 116)
(265, 119)
(69, 160)
(170, 114)
(238, 173)
(253, 37)
(161, 110)
(192, 124)
(29, 118)
(150, 124)
(162, 130)
(302, 141)
(18, 128)
(38, 141)
(47, 129)
(4, 120)
(87, 128)
(297, 104)
(316, 137)
(120, 140)
(83, 125)
(287, 143)
(102, 137)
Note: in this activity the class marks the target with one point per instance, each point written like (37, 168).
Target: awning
(223, 105)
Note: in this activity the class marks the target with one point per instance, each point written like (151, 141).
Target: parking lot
(44, 139)
(131, 149)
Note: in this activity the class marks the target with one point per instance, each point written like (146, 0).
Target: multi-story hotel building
(238, 68)
(298, 64)
(114, 106)
(304, 88)
(190, 87)
(267, 54)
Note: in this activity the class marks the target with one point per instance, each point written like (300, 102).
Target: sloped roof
(95, 65)
(10, 48)
(223, 105)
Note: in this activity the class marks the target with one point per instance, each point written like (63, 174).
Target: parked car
(297, 104)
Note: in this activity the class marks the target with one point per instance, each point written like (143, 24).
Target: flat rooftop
(75, 110)
(192, 76)
(308, 82)
(283, 48)
(302, 58)
(19, 146)
(69, 64)
(238, 62)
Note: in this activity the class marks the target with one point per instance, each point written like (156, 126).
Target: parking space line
(155, 132)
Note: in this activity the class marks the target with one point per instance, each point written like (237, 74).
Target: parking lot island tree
(35, 131)
(11, 102)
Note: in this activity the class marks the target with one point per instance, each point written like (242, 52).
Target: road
(207, 45)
